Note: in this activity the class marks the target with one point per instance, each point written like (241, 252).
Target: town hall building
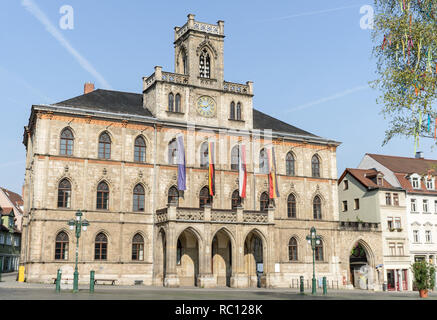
(113, 155)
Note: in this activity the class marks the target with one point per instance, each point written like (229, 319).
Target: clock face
(206, 106)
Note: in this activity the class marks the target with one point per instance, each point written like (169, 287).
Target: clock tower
(196, 92)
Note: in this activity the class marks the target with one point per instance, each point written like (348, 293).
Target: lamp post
(77, 225)
(313, 240)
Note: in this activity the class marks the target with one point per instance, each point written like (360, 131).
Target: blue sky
(309, 60)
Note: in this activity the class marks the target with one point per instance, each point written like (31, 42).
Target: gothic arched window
(103, 196)
(236, 199)
(173, 195)
(204, 197)
(319, 251)
(172, 152)
(170, 102)
(315, 166)
(140, 149)
(138, 247)
(264, 201)
(235, 155)
(292, 249)
(64, 194)
(204, 155)
(67, 141)
(263, 162)
(101, 247)
(178, 103)
(232, 111)
(205, 64)
(104, 146)
(291, 206)
(289, 164)
(139, 195)
(238, 111)
(61, 246)
(317, 208)
(179, 253)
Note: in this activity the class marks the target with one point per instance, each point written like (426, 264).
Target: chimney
(419, 155)
(88, 87)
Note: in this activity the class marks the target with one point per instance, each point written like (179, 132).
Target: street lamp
(313, 240)
(77, 224)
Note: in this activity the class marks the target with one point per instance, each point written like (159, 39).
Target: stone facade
(184, 243)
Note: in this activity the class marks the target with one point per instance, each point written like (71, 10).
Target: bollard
(325, 291)
(58, 281)
(92, 281)
(301, 285)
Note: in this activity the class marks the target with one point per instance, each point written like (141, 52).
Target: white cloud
(30, 6)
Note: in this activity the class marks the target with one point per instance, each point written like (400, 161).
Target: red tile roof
(403, 167)
(6, 211)
(367, 177)
(15, 198)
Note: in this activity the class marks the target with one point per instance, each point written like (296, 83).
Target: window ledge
(236, 120)
(174, 112)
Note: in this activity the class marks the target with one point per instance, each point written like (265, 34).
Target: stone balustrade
(359, 225)
(206, 214)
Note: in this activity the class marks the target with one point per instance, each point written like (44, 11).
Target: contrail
(311, 13)
(329, 98)
(25, 84)
(35, 11)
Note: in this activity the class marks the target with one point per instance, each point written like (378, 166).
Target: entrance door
(405, 279)
(390, 280)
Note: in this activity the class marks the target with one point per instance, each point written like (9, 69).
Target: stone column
(239, 278)
(171, 278)
(206, 278)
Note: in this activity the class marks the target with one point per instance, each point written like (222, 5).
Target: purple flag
(181, 163)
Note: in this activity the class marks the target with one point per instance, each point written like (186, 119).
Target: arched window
(102, 196)
(204, 155)
(204, 197)
(101, 247)
(139, 198)
(291, 206)
(64, 194)
(172, 152)
(264, 201)
(236, 199)
(263, 164)
(317, 208)
(292, 249)
(235, 155)
(178, 253)
(289, 164)
(204, 64)
(184, 62)
(315, 166)
(232, 111)
(61, 246)
(67, 141)
(178, 103)
(238, 111)
(319, 251)
(104, 146)
(138, 247)
(170, 102)
(173, 195)
(140, 149)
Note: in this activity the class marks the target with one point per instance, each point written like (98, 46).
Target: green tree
(405, 38)
(424, 275)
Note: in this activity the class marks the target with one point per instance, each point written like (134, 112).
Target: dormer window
(379, 179)
(415, 182)
(429, 183)
(205, 64)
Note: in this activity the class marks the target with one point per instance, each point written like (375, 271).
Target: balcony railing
(206, 214)
(356, 226)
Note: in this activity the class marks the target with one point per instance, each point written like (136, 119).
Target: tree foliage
(405, 38)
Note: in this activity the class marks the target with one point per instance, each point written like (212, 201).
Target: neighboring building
(365, 195)
(113, 155)
(11, 214)
(417, 177)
